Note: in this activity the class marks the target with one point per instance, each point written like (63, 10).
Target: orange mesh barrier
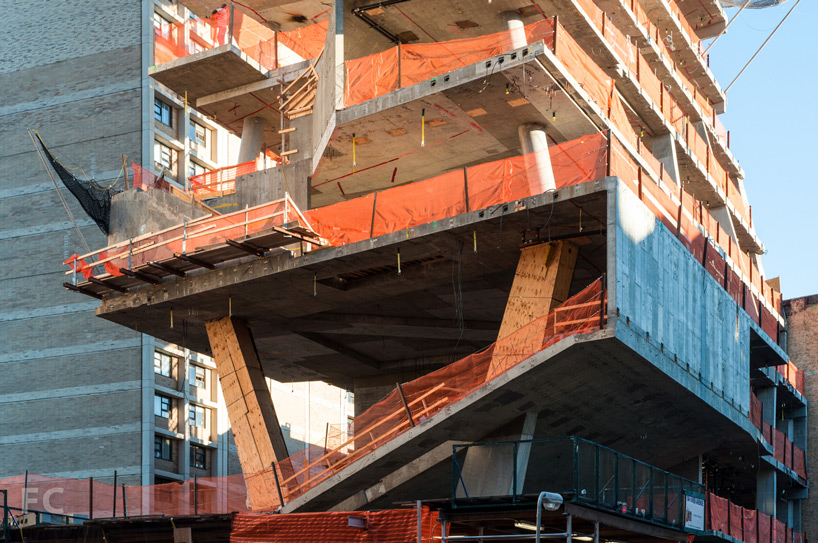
(207, 495)
(307, 41)
(750, 526)
(419, 203)
(650, 83)
(764, 528)
(176, 40)
(344, 222)
(778, 531)
(375, 75)
(619, 118)
(779, 444)
(580, 65)
(488, 184)
(427, 395)
(390, 526)
(623, 167)
(144, 180)
(216, 183)
(186, 238)
(769, 324)
(719, 508)
(736, 521)
(756, 410)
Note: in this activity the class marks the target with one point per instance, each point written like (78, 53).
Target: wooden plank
(542, 282)
(256, 428)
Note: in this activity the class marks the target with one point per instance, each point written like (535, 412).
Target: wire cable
(762, 46)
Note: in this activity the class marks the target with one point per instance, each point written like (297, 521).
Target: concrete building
(516, 230)
(81, 398)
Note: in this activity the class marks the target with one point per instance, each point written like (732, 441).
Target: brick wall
(802, 317)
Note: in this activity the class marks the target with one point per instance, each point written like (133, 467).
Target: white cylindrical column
(252, 138)
(514, 23)
(534, 143)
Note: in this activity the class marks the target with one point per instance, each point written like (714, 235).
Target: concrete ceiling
(422, 21)
(283, 15)
(469, 124)
(367, 320)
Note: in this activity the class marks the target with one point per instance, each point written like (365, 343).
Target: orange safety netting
(424, 397)
(180, 39)
(220, 182)
(582, 67)
(87, 498)
(378, 74)
(719, 513)
(307, 41)
(188, 237)
(453, 193)
(756, 410)
(750, 525)
(144, 180)
(736, 520)
(389, 526)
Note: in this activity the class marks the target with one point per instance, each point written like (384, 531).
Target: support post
(256, 429)
(90, 497)
(113, 510)
(405, 405)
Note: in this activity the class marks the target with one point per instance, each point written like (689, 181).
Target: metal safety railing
(581, 471)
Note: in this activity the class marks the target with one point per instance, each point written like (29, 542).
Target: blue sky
(771, 115)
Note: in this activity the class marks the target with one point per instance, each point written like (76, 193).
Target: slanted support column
(252, 137)
(253, 419)
(534, 144)
(489, 470)
(514, 23)
(722, 216)
(664, 149)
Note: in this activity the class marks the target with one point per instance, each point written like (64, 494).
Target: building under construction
(514, 228)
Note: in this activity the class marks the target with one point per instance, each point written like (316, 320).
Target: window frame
(193, 377)
(164, 405)
(160, 355)
(162, 445)
(161, 110)
(158, 159)
(197, 451)
(193, 416)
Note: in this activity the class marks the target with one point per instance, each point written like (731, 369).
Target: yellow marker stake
(475, 241)
(398, 261)
(171, 318)
(354, 161)
(185, 99)
(229, 306)
(423, 127)
(315, 284)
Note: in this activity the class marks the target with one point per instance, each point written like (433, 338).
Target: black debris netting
(95, 201)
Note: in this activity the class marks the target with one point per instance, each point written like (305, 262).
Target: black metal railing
(583, 472)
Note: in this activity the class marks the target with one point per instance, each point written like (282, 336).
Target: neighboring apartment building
(81, 397)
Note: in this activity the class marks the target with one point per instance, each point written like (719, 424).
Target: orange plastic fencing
(756, 410)
(144, 180)
(390, 526)
(719, 513)
(736, 521)
(750, 526)
(190, 236)
(206, 495)
(180, 39)
(375, 75)
(478, 187)
(307, 41)
(427, 395)
(220, 182)
(583, 68)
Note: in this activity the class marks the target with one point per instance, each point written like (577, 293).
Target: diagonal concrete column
(253, 419)
(534, 144)
(252, 138)
(664, 149)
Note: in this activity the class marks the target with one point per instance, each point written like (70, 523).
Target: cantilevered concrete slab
(213, 70)
(344, 313)
(281, 15)
(573, 385)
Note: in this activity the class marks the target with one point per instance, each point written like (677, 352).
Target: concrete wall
(70, 392)
(664, 292)
(135, 212)
(802, 343)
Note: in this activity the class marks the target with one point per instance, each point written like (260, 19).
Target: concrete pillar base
(534, 144)
(252, 138)
(514, 23)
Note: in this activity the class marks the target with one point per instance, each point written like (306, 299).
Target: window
(198, 376)
(162, 363)
(163, 157)
(194, 168)
(198, 133)
(162, 448)
(198, 457)
(161, 406)
(162, 112)
(197, 416)
(161, 24)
